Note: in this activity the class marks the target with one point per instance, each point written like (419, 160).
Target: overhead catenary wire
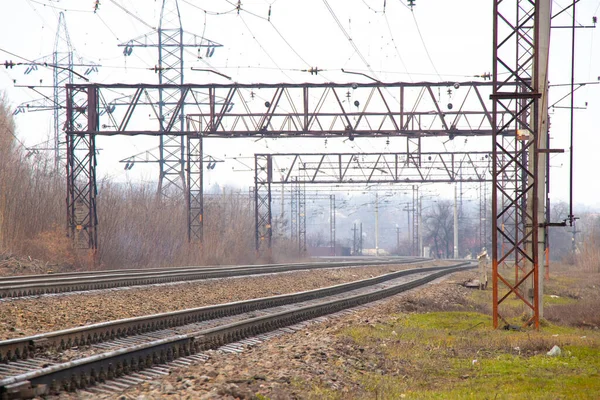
(133, 15)
(207, 11)
(425, 46)
(55, 7)
(263, 49)
(387, 22)
(349, 38)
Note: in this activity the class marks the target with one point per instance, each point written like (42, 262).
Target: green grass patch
(550, 299)
(432, 356)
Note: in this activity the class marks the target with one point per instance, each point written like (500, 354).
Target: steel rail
(24, 347)
(116, 272)
(87, 371)
(48, 284)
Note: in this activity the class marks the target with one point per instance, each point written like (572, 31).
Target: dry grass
(578, 296)
(589, 252)
(441, 344)
(136, 229)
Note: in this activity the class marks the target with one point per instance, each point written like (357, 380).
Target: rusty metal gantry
(352, 168)
(412, 110)
(521, 44)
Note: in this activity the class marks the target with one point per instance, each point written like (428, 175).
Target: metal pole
(334, 226)
(455, 220)
(376, 224)
(408, 222)
(420, 252)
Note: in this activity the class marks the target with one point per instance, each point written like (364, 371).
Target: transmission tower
(61, 60)
(172, 40)
(63, 55)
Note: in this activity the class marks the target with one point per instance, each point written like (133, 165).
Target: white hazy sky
(439, 40)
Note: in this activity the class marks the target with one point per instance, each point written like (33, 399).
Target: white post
(455, 221)
(376, 224)
(421, 227)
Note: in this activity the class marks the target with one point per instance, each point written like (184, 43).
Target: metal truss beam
(307, 110)
(349, 168)
(291, 110)
(334, 168)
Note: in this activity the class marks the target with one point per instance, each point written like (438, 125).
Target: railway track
(81, 357)
(22, 286)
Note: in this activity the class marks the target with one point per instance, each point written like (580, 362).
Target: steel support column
(82, 116)
(302, 220)
(263, 171)
(332, 223)
(294, 192)
(515, 177)
(415, 221)
(195, 185)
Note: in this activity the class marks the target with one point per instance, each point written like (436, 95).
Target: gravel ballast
(291, 366)
(24, 317)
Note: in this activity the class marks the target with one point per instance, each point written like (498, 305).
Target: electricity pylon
(172, 41)
(61, 61)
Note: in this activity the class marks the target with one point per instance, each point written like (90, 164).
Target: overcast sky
(438, 40)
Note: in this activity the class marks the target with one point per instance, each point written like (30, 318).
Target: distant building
(373, 252)
(328, 251)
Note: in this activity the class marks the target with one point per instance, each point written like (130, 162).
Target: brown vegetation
(136, 229)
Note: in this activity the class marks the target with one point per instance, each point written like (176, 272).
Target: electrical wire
(240, 9)
(387, 22)
(207, 11)
(263, 49)
(60, 8)
(348, 37)
(425, 47)
(132, 15)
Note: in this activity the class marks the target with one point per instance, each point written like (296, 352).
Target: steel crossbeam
(351, 110)
(298, 169)
(334, 168)
(308, 110)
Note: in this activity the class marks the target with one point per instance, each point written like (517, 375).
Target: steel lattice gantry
(521, 44)
(367, 168)
(351, 110)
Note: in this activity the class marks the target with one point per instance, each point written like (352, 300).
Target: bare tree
(439, 226)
